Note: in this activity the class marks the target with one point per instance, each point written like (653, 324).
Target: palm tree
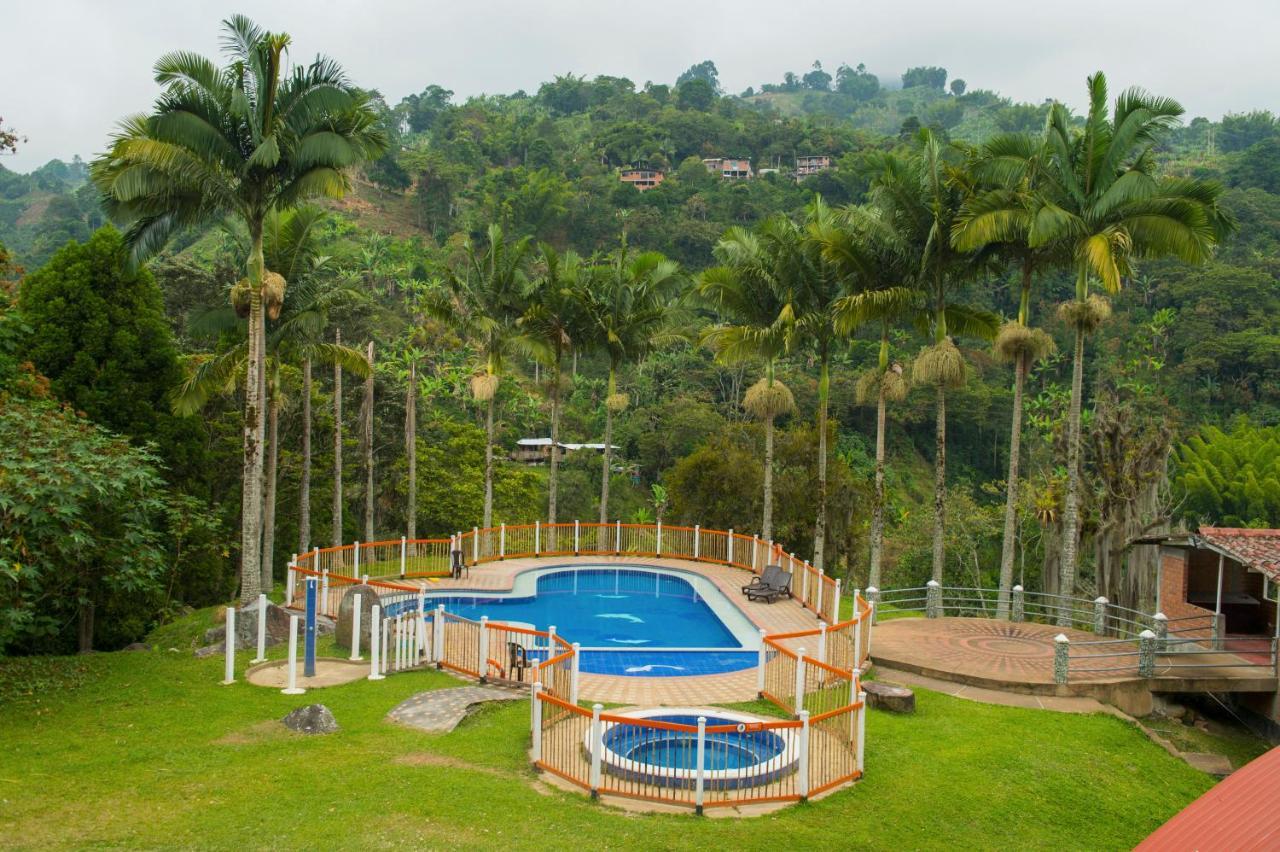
(865, 250)
(237, 142)
(554, 320)
(1104, 203)
(744, 291)
(919, 197)
(484, 300)
(1010, 170)
(629, 307)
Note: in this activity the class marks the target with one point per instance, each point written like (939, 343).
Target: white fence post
(573, 679)
(356, 571)
(437, 625)
(857, 635)
(817, 595)
(862, 725)
(804, 584)
(386, 645)
(355, 627)
(822, 641)
(551, 641)
(755, 554)
(658, 551)
(537, 537)
(700, 772)
(475, 545)
(799, 680)
(292, 688)
(229, 645)
(396, 641)
(420, 626)
(536, 751)
(597, 745)
(323, 603)
(617, 536)
(760, 664)
(289, 581)
(697, 536)
(262, 630)
(502, 541)
(729, 546)
(835, 604)
(576, 526)
(483, 663)
(375, 633)
(404, 547)
(803, 773)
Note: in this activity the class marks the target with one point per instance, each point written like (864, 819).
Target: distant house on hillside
(642, 177)
(538, 450)
(811, 165)
(728, 167)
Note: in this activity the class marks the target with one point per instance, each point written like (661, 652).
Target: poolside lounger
(773, 591)
(767, 579)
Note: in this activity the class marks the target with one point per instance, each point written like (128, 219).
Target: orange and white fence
(382, 563)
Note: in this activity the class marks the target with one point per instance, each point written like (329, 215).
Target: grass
(1238, 746)
(145, 749)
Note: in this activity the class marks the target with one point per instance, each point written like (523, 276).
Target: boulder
(312, 719)
(277, 627)
(346, 614)
(209, 650)
(137, 646)
(886, 696)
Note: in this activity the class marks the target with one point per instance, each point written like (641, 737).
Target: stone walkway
(439, 711)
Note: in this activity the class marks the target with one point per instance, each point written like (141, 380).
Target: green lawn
(146, 749)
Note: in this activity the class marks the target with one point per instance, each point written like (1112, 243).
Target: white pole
(822, 641)
(804, 584)
(700, 770)
(835, 604)
(755, 554)
(617, 537)
(404, 548)
(573, 680)
(356, 571)
(475, 545)
(857, 635)
(575, 537)
(729, 546)
(697, 535)
(292, 688)
(386, 645)
(551, 641)
(862, 725)
(324, 593)
(799, 680)
(658, 552)
(537, 537)
(355, 626)
(483, 663)
(803, 774)
(262, 630)
(597, 744)
(229, 644)
(375, 633)
(760, 664)
(399, 634)
(437, 624)
(502, 541)
(536, 752)
(288, 582)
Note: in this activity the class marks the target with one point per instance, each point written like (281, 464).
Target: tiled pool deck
(785, 616)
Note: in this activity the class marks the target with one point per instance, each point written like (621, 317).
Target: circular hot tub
(661, 748)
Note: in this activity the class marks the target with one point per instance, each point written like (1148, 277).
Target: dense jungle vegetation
(486, 255)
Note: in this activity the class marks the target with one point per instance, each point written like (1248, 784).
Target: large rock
(312, 719)
(886, 696)
(277, 627)
(346, 614)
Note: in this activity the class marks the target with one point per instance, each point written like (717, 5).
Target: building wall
(1174, 565)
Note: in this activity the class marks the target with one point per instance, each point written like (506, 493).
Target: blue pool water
(627, 620)
(679, 749)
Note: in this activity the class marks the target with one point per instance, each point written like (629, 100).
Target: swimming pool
(629, 621)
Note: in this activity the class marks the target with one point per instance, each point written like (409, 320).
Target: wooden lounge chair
(767, 578)
(771, 592)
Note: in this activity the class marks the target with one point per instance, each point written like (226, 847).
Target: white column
(437, 625)
(375, 633)
(576, 526)
(617, 536)
(537, 537)
(475, 545)
(803, 773)
(597, 735)
(835, 604)
(658, 551)
(799, 680)
(755, 554)
(292, 688)
(536, 751)
(822, 641)
(700, 770)
(356, 570)
(355, 627)
(404, 547)
(729, 545)
(262, 630)
(573, 679)
(862, 726)
(484, 648)
(502, 541)
(229, 646)
(761, 659)
(697, 535)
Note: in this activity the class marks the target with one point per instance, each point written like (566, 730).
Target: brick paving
(439, 711)
(784, 616)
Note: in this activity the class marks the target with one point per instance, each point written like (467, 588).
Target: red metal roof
(1241, 813)
(1256, 549)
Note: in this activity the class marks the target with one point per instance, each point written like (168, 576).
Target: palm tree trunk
(553, 478)
(877, 499)
(269, 500)
(940, 485)
(607, 455)
(766, 524)
(411, 450)
(367, 426)
(304, 488)
(820, 527)
(488, 463)
(337, 446)
(1011, 494)
(1071, 505)
(251, 487)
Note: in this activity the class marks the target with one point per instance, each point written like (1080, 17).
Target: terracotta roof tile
(1257, 549)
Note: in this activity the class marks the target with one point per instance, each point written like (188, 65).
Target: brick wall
(1173, 596)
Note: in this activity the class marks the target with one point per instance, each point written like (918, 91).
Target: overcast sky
(74, 67)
